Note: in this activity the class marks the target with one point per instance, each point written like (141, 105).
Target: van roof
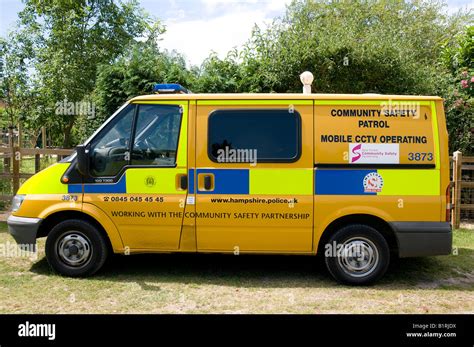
(281, 96)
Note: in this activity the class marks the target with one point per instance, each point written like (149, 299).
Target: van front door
(138, 168)
(254, 176)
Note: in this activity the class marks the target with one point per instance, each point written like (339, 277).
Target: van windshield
(110, 148)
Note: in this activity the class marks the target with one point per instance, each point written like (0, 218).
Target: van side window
(156, 135)
(110, 149)
(273, 135)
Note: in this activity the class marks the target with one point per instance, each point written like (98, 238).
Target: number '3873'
(420, 156)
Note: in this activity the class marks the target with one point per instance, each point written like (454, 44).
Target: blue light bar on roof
(170, 88)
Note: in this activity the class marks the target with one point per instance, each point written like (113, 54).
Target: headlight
(16, 202)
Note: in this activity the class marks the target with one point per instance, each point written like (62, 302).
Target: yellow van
(359, 179)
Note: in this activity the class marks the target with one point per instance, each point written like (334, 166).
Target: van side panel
(262, 208)
(400, 188)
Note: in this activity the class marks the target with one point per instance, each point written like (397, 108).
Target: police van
(357, 179)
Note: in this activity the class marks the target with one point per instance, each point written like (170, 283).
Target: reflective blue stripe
(74, 188)
(227, 181)
(191, 181)
(341, 182)
(119, 187)
(236, 181)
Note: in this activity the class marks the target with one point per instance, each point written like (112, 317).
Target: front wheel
(76, 248)
(357, 254)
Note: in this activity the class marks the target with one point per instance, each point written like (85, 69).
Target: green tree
(71, 38)
(217, 75)
(351, 47)
(458, 57)
(135, 72)
(16, 84)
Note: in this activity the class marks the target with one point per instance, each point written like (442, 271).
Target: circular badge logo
(373, 183)
(150, 181)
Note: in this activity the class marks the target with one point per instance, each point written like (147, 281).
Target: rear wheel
(357, 254)
(76, 248)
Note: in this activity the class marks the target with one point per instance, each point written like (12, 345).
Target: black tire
(75, 248)
(369, 264)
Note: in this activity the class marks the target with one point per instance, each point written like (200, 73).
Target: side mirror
(83, 159)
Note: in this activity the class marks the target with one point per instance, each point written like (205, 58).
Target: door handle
(207, 182)
(182, 182)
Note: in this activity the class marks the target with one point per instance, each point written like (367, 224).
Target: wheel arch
(54, 218)
(366, 219)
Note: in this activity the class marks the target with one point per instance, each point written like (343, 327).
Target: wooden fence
(11, 168)
(462, 177)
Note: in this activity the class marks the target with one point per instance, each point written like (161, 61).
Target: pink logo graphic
(356, 153)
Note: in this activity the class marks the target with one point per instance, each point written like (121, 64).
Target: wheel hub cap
(74, 249)
(359, 257)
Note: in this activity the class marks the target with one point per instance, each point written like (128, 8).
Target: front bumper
(419, 239)
(24, 230)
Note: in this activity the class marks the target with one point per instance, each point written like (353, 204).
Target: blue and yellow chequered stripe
(227, 181)
(274, 182)
(260, 181)
(326, 181)
(247, 181)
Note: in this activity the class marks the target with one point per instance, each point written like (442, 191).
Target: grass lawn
(188, 283)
